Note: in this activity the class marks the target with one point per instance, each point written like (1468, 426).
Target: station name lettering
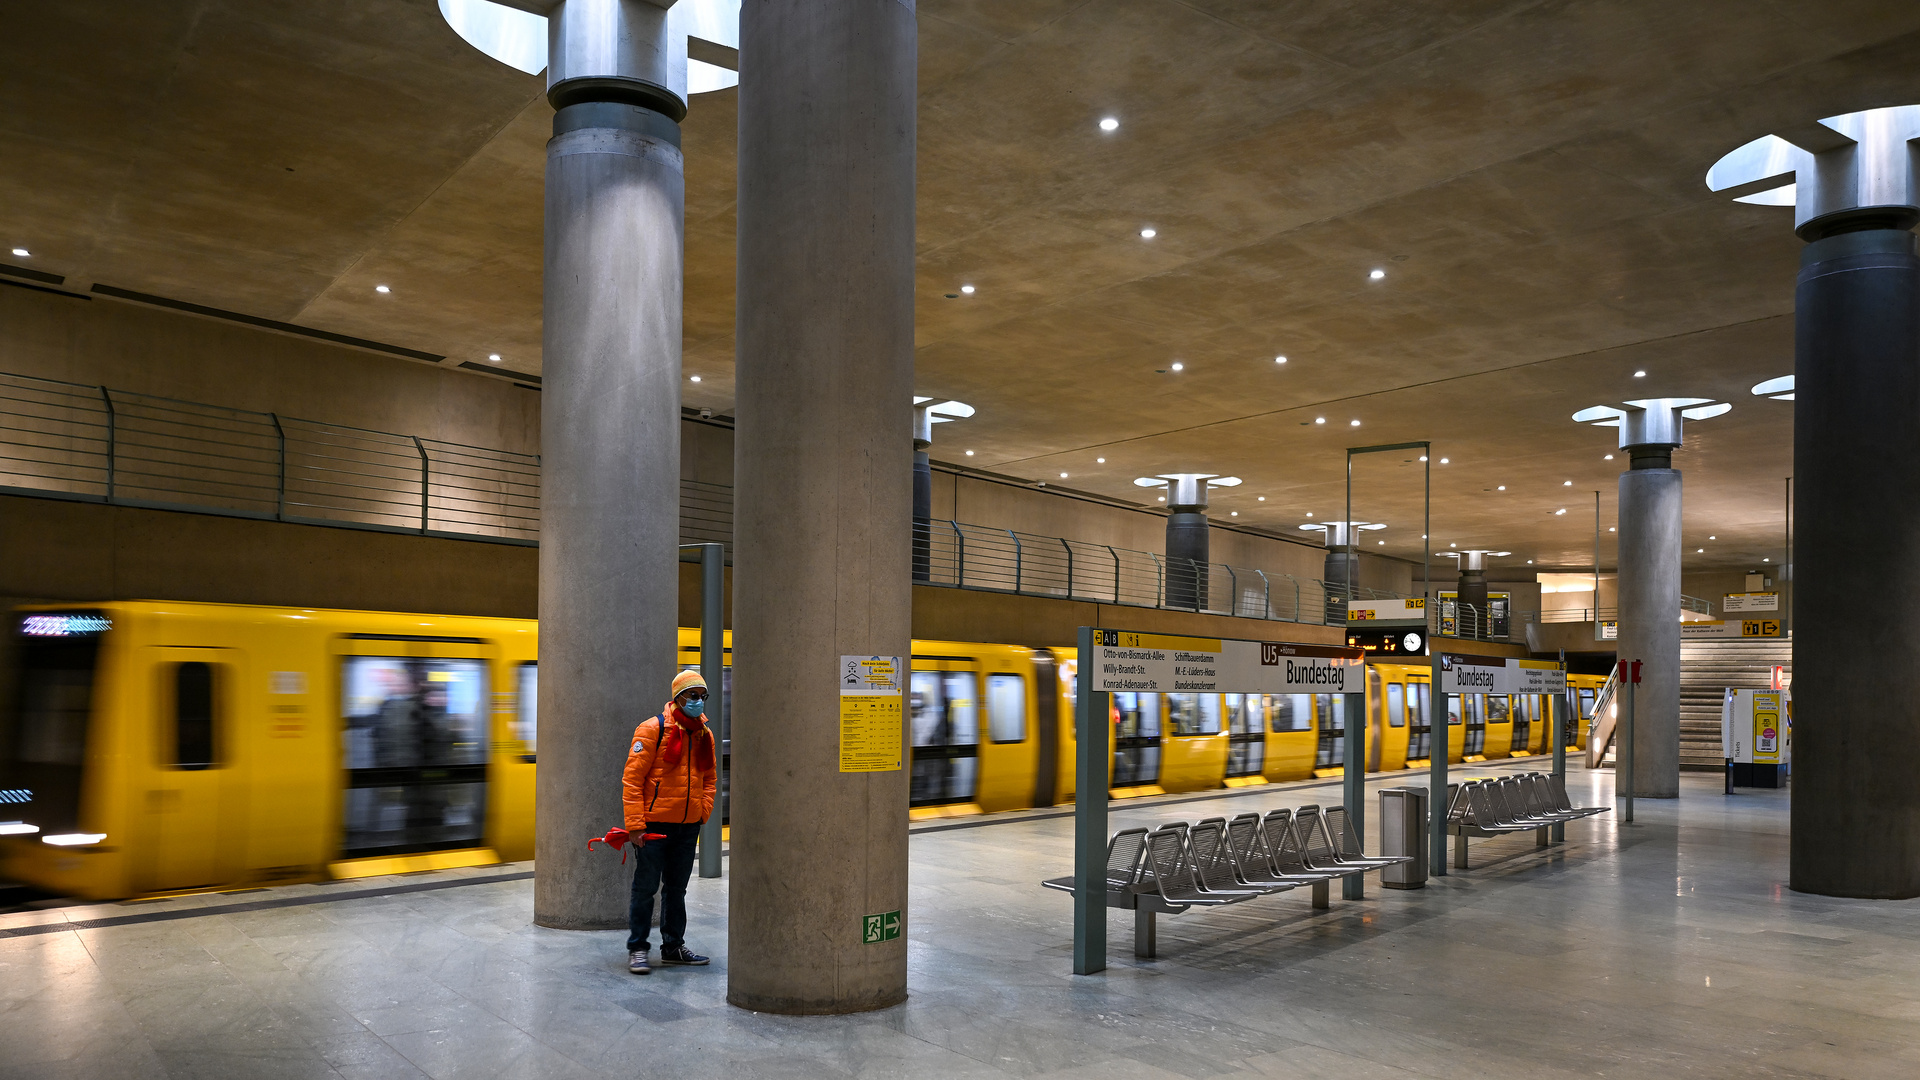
(1314, 673)
(1466, 676)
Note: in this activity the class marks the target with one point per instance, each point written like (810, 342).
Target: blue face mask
(694, 706)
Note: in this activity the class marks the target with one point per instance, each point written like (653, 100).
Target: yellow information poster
(1766, 729)
(872, 725)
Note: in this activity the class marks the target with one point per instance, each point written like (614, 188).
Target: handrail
(1600, 729)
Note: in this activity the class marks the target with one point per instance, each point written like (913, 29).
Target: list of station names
(1155, 664)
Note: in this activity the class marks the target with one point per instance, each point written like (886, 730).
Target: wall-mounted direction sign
(1735, 603)
(1158, 663)
(1606, 630)
(1411, 609)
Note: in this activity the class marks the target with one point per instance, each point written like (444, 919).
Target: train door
(1290, 736)
(1067, 666)
(946, 732)
(1136, 739)
(1525, 710)
(1046, 726)
(1464, 710)
(193, 811)
(414, 737)
(1008, 753)
(1246, 735)
(1496, 718)
(1577, 737)
(1330, 712)
(1393, 734)
(1376, 718)
(1419, 723)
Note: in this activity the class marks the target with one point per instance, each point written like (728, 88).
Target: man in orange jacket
(668, 790)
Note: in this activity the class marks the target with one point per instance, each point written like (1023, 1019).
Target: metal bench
(1344, 844)
(1557, 794)
(1472, 813)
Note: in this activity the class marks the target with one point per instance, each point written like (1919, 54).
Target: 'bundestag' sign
(1159, 663)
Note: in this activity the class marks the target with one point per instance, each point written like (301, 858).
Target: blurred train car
(164, 747)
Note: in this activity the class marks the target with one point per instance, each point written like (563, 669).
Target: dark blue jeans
(663, 866)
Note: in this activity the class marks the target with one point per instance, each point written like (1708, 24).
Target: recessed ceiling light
(1353, 423)
(1444, 461)
(1560, 511)
(494, 357)
(1319, 419)
(968, 289)
(1383, 543)
(1768, 559)
(23, 253)
(1529, 562)
(1566, 483)
(1163, 498)
(1263, 498)
(1609, 457)
(1309, 515)
(1100, 461)
(1639, 374)
(1423, 457)
(1178, 366)
(1611, 529)
(695, 378)
(1699, 551)
(1377, 275)
(1235, 513)
(1713, 538)
(1108, 123)
(1279, 359)
(1503, 487)
(969, 453)
(1453, 545)
(1148, 234)
(381, 289)
(1063, 476)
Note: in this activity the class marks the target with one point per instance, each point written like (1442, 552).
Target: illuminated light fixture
(1529, 562)
(1376, 275)
(1162, 498)
(1699, 551)
(1423, 457)
(1309, 515)
(1503, 487)
(1108, 123)
(1148, 234)
(73, 839)
(1444, 461)
(1063, 476)
(1353, 423)
(1566, 483)
(1263, 498)
(1713, 538)
(1279, 359)
(1780, 389)
(1611, 529)
(1639, 374)
(23, 253)
(1472, 551)
(381, 289)
(17, 828)
(968, 289)
(1609, 457)
(493, 357)
(969, 453)
(1233, 513)
(1768, 559)
(1560, 511)
(518, 38)
(1177, 366)
(1383, 543)
(694, 378)
(1099, 461)
(1319, 419)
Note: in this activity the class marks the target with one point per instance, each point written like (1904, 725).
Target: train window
(1136, 739)
(1453, 708)
(1290, 712)
(1498, 708)
(1396, 705)
(1006, 708)
(946, 734)
(1586, 704)
(526, 714)
(193, 716)
(1194, 714)
(416, 753)
(54, 699)
(1422, 704)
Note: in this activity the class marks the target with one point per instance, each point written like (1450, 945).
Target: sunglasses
(694, 695)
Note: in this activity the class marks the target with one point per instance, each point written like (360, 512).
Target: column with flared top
(817, 919)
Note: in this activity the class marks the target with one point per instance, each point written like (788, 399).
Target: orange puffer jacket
(655, 789)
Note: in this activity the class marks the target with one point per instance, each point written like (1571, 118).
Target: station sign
(1606, 630)
(1409, 609)
(1730, 628)
(1500, 675)
(1161, 663)
(1735, 603)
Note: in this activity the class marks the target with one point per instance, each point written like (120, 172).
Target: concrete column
(1650, 616)
(1856, 458)
(610, 465)
(823, 493)
(1187, 556)
(1471, 592)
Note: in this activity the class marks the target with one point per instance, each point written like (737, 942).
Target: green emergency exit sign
(875, 929)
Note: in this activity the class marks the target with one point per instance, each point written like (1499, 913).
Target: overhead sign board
(1411, 609)
(1735, 603)
(1731, 628)
(1160, 663)
(1500, 675)
(1387, 640)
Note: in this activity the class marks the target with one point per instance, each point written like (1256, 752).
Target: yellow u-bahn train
(164, 747)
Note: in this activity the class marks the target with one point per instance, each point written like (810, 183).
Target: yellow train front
(162, 747)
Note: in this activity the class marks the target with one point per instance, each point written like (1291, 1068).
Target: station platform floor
(1669, 947)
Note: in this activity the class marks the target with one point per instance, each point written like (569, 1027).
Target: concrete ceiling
(1527, 173)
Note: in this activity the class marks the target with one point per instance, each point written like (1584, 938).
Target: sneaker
(681, 955)
(637, 962)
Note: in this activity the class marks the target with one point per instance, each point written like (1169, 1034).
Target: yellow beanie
(687, 679)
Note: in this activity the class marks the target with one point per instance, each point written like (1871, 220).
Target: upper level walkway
(1671, 947)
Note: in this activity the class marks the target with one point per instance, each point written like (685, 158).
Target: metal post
(280, 498)
(1069, 550)
(112, 437)
(424, 477)
(1596, 566)
(1233, 585)
(1623, 761)
(1016, 559)
(1116, 572)
(1555, 718)
(1354, 788)
(960, 553)
(1437, 765)
(1090, 733)
(713, 669)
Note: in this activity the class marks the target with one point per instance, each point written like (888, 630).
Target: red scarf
(674, 741)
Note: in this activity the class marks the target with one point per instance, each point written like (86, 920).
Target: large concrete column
(1188, 547)
(610, 444)
(1856, 457)
(1650, 618)
(1471, 591)
(823, 494)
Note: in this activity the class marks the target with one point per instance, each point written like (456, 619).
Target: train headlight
(73, 839)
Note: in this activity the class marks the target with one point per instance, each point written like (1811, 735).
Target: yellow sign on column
(871, 719)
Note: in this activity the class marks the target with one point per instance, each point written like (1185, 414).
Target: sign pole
(712, 661)
(1557, 715)
(1354, 788)
(1623, 761)
(1437, 766)
(1090, 732)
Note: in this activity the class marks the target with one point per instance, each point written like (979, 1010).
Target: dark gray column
(1471, 592)
(1187, 555)
(1650, 616)
(610, 453)
(824, 494)
(1856, 459)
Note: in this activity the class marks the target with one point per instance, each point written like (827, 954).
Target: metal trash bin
(1403, 832)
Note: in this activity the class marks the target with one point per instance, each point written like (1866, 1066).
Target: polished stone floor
(1670, 947)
